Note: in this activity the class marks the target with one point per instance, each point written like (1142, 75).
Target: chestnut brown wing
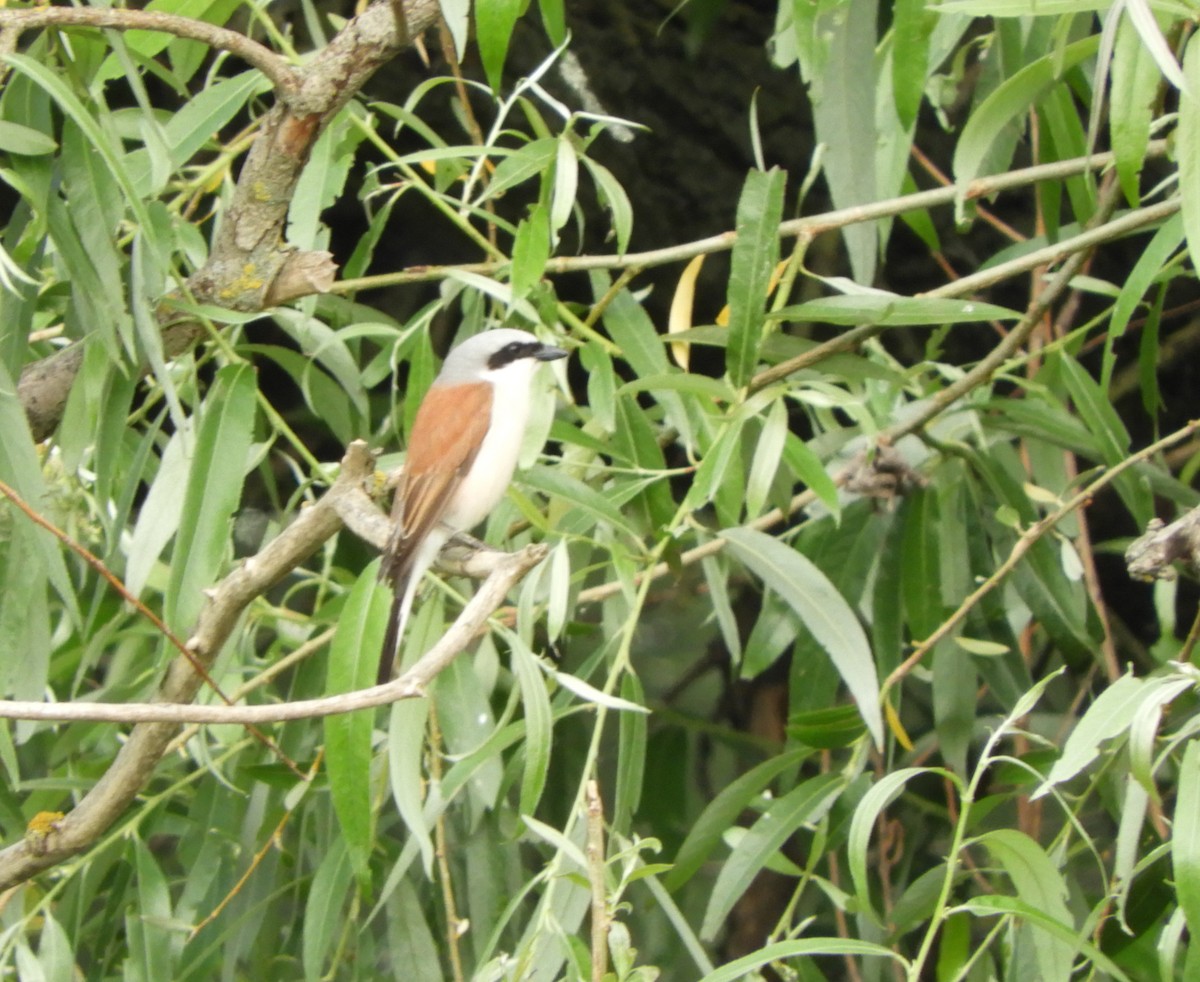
(450, 425)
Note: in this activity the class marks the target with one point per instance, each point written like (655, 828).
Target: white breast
(492, 470)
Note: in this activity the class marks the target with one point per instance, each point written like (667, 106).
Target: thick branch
(249, 267)
(1153, 556)
(135, 762)
(507, 570)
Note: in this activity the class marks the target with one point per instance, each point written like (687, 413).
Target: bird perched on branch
(464, 446)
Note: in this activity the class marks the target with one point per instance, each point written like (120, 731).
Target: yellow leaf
(680, 317)
(894, 724)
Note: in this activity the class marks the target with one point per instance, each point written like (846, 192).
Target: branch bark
(249, 266)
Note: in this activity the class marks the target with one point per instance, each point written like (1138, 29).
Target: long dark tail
(395, 628)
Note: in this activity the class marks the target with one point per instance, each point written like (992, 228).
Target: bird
(462, 453)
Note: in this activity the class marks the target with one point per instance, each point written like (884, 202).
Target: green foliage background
(872, 511)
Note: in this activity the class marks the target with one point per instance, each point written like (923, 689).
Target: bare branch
(135, 762)
(809, 226)
(1153, 556)
(250, 267)
(507, 570)
(274, 67)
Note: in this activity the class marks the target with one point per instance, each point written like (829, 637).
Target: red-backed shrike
(462, 452)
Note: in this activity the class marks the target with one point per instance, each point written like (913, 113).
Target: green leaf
(806, 948)
(755, 255)
(530, 161)
(723, 811)
(911, 27)
(554, 19)
(325, 899)
(353, 660)
(1102, 420)
(822, 609)
(1185, 840)
(803, 461)
(1108, 716)
(1039, 884)
(893, 310)
(803, 804)
(494, 22)
(614, 198)
(457, 15)
(16, 138)
(1051, 928)
(1006, 106)
(1187, 146)
(1131, 106)
(632, 727)
(1150, 263)
(214, 488)
(531, 250)
(868, 809)
(843, 97)
(539, 724)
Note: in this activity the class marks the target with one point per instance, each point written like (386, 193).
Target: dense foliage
(831, 669)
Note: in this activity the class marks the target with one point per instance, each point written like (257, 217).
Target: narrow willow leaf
(803, 804)
(803, 461)
(494, 23)
(1052, 930)
(1188, 148)
(1008, 104)
(457, 15)
(531, 250)
(1108, 716)
(806, 948)
(632, 728)
(842, 89)
(1185, 840)
(868, 809)
(613, 197)
(554, 19)
(530, 161)
(911, 27)
(325, 899)
(561, 842)
(755, 255)
(217, 470)
(680, 316)
(1039, 884)
(353, 660)
(566, 184)
(25, 140)
(406, 775)
(822, 609)
(767, 456)
(1150, 263)
(538, 725)
(1142, 18)
(894, 310)
(723, 811)
(1131, 106)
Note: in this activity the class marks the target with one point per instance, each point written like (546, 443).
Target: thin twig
(596, 866)
(1026, 542)
(411, 685)
(275, 68)
(171, 637)
(454, 926)
(256, 861)
(810, 226)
